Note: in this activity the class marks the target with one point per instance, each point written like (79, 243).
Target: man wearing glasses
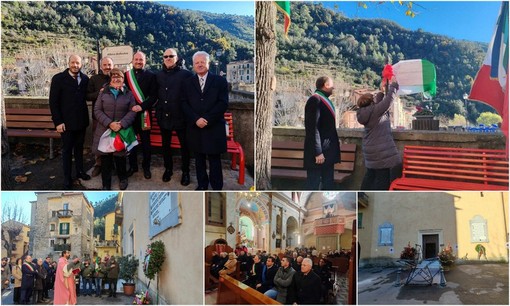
(169, 112)
(142, 83)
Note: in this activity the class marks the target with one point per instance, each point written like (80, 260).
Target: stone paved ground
(467, 284)
(33, 169)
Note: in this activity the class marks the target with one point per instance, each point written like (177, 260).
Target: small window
(52, 227)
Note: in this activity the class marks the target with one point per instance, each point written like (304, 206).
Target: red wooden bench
(442, 168)
(34, 122)
(287, 161)
(233, 146)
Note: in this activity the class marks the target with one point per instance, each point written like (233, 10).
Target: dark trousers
(46, 287)
(215, 172)
(145, 139)
(324, 173)
(166, 136)
(112, 285)
(72, 143)
(107, 166)
(17, 295)
(376, 179)
(37, 296)
(26, 293)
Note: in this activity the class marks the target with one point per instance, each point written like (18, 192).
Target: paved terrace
(402, 138)
(466, 284)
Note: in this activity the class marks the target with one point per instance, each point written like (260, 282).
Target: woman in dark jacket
(113, 110)
(379, 150)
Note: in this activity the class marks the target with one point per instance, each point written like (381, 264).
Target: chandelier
(249, 195)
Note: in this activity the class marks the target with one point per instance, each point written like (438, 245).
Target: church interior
(315, 225)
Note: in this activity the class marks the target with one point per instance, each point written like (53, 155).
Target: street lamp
(465, 96)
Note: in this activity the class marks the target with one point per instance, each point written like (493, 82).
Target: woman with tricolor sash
(379, 150)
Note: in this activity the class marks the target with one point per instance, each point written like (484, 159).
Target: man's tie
(202, 83)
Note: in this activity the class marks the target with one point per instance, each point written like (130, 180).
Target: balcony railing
(329, 225)
(107, 243)
(64, 213)
(62, 247)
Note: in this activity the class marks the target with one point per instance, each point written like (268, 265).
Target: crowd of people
(33, 279)
(192, 105)
(290, 277)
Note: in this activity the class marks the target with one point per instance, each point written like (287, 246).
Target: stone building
(111, 244)
(19, 245)
(61, 221)
(241, 72)
(431, 222)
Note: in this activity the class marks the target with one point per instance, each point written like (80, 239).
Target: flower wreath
(154, 258)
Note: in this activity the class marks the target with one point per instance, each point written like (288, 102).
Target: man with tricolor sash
(322, 147)
(143, 85)
(27, 280)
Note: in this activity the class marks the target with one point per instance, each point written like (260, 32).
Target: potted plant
(446, 257)
(128, 267)
(409, 253)
(423, 113)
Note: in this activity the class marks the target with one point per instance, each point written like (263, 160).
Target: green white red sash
(139, 97)
(29, 266)
(326, 102)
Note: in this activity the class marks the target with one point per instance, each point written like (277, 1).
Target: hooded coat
(379, 149)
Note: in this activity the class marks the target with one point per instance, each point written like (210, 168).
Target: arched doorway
(292, 232)
(253, 222)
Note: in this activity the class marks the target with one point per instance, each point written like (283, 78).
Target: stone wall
(402, 138)
(242, 111)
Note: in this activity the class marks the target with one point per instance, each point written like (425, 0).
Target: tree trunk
(7, 183)
(265, 54)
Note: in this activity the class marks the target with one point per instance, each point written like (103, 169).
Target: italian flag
(415, 76)
(111, 141)
(284, 7)
(491, 82)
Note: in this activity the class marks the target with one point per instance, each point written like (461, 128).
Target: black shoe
(167, 175)
(131, 171)
(185, 179)
(201, 188)
(147, 173)
(84, 176)
(123, 184)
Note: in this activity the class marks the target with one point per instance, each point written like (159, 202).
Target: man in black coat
(96, 83)
(268, 273)
(322, 147)
(29, 273)
(307, 286)
(254, 273)
(147, 84)
(205, 100)
(70, 115)
(169, 112)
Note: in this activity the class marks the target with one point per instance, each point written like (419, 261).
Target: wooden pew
(234, 292)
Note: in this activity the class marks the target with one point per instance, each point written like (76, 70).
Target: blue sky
(24, 197)
(470, 20)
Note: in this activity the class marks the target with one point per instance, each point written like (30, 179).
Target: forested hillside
(148, 26)
(358, 49)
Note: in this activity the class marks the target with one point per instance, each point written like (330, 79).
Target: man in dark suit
(70, 115)
(306, 286)
(322, 148)
(205, 100)
(169, 112)
(29, 273)
(147, 89)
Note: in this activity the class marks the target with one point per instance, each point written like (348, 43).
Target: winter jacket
(109, 109)
(378, 146)
(282, 281)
